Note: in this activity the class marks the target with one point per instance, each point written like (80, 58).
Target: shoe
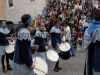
(59, 68)
(9, 68)
(57, 64)
(73, 55)
(56, 69)
(4, 70)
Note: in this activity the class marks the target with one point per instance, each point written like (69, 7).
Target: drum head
(52, 55)
(10, 49)
(41, 65)
(64, 47)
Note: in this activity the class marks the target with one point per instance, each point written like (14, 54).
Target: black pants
(7, 60)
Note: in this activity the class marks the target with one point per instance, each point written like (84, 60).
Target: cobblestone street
(73, 66)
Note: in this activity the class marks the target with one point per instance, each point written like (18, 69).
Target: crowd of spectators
(78, 13)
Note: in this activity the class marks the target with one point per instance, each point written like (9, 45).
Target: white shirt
(67, 33)
(82, 21)
(80, 7)
(51, 13)
(84, 17)
(76, 6)
(96, 4)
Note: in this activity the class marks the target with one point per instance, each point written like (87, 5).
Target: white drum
(64, 47)
(10, 49)
(65, 50)
(41, 67)
(52, 58)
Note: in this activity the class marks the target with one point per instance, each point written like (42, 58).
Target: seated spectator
(82, 21)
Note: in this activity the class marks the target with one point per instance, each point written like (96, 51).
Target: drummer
(23, 63)
(67, 34)
(41, 40)
(3, 43)
(56, 40)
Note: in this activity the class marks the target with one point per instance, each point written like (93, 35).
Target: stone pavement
(73, 66)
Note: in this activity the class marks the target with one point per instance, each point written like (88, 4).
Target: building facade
(20, 7)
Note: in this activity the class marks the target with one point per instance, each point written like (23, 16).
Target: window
(32, 1)
(10, 3)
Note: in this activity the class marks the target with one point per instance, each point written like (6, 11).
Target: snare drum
(10, 49)
(41, 67)
(65, 50)
(52, 58)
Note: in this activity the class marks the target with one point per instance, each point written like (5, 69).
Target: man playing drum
(4, 32)
(56, 40)
(23, 63)
(41, 40)
(67, 34)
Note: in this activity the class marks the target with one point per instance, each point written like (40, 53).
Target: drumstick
(12, 35)
(40, 70)
(65, 45)
(35, 57)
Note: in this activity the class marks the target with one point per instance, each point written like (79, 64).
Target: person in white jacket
(67, 35)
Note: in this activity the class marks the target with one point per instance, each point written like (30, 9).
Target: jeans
(71, 49)
(74, 43)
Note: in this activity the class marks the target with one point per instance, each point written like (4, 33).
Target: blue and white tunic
(3, 42)
(55, 38)
(41, 40)
(23, 54)
(91, 45)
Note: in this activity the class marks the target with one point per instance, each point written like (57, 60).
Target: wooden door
(2, 9)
